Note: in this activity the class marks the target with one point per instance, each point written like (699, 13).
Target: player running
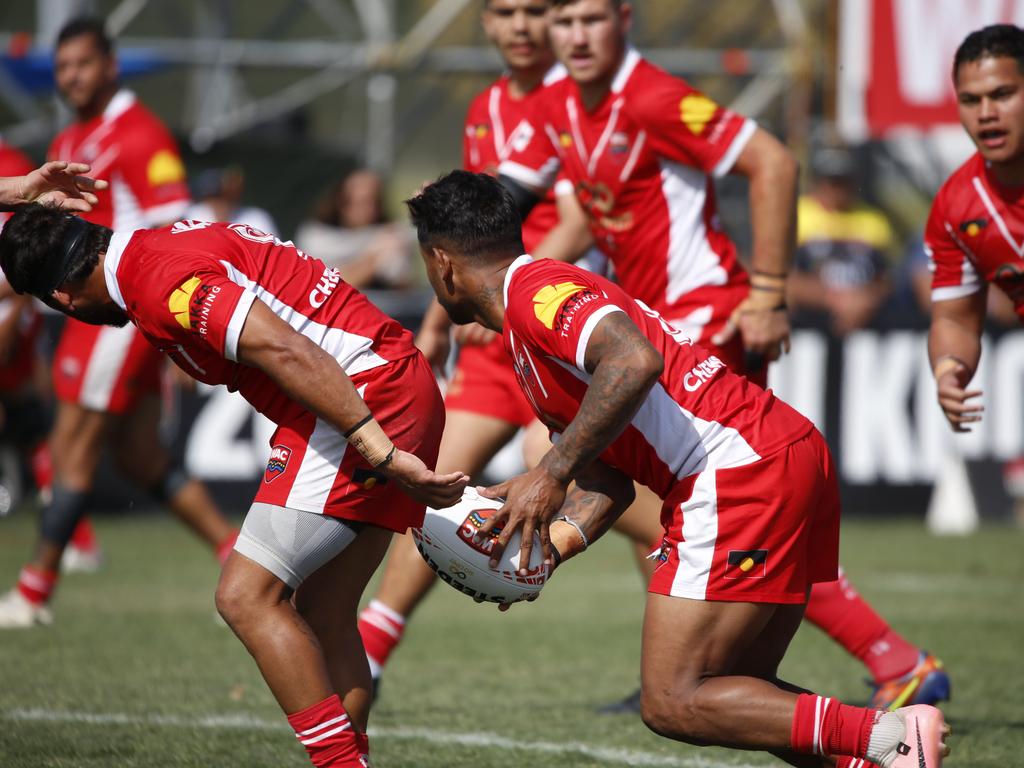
(107, 380)
(485, 408)
(642, 149)
(977, 219)
(624, 392)
(359, 422)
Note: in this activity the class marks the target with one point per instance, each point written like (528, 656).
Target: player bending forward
(751, 507)
(359, 421)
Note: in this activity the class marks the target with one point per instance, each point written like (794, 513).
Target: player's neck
(490, 297)
(523, 81)
(97, 106)
(593, 92)
(1010, 173)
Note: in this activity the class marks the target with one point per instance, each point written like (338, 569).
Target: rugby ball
(447, 542)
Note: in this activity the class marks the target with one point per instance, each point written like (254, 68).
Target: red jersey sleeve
(203, 302)
(151, 167)
(557, 309)
(953, 272)
(684, 125)
(533, 157)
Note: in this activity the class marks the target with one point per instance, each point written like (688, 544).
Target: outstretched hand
(953, 398)
(531, 501)
(57, 183)
(424, 485)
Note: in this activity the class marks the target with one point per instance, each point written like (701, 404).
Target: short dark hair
(35, 254)
(87, 25)
(616, 4)
(471, 214)
(995, 41)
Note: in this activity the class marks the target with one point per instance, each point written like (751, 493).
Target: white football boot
(18, 613)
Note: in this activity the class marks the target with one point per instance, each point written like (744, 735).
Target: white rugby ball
(446, 543)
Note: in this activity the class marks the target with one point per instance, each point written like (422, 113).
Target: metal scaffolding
(357, 40)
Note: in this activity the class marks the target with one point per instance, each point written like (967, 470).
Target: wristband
(772, 275)
(947, 363)
(579, 530)
(369, 439)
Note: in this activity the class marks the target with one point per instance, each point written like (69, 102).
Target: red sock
(836, 608)
(225, 547)
(381, 629)
(854, 762)
(328, 736)
(823, 726)
(36, 585)
(84, 536)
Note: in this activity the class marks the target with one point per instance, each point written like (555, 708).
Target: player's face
(519, 30)
(990, 99)
(83, 72)
(77, 302)
(589, 38)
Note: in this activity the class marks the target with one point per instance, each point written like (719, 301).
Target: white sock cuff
(390, 614)
(886, 734)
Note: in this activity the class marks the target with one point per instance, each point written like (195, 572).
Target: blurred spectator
(842, 247)
(351, 232)
(217, 193)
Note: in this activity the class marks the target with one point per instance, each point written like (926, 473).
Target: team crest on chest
(278, 463)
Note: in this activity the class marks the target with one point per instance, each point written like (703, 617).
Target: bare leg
(328, 601)
(143, 460)
(709, 674)
(75, 446)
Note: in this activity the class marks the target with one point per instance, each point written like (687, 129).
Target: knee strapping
(58, 519)
(168, 486)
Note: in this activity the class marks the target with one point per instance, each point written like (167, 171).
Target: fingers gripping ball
(448, 543)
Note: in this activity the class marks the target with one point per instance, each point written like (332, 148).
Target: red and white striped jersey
(129, 147)
(699, 416)
(641, 163)
(496, 124)
(189, 288)
(975, 233)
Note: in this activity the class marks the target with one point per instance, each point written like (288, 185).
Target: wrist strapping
(367, 437)
(947, 363)
(579, 530)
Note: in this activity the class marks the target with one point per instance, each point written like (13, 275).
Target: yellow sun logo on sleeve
(164, 167)
(696, 110)
(549, 299)
(179, 301)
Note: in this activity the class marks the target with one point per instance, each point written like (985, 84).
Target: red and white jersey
(12, 163)
(496, 123)
(129, 147)
(975, 234)
(641, 163)
(189, 288)
(698, 416)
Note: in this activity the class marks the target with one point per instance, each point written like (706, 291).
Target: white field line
(442, 738)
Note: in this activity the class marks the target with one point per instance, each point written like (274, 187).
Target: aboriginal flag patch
(747, 564)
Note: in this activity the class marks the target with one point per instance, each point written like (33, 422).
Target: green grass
(136, 649)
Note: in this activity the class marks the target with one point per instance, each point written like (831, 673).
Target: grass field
(136, 672)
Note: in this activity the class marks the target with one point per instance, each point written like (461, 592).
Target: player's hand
(762, 323)
(424, 485)
(61, 184)
(474, 335)
(953, 398)
(531, 501)
(435, 344)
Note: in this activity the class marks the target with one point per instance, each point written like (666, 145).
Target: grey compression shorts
(292, 544)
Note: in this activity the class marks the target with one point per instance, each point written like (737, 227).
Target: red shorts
(103, 368)
(759, 533)
(707, 316)
(485, 382)
(310, 468)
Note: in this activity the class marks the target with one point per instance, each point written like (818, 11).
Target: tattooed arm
(597, 499)
(624, 366)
